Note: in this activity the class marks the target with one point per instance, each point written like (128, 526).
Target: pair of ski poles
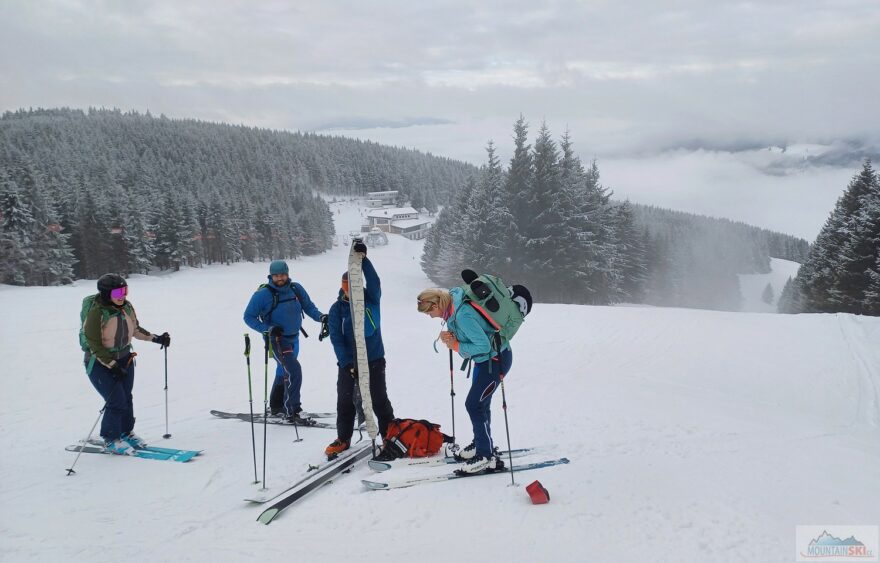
(247, 353)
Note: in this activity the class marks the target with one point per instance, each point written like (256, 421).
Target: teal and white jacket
(473, 332)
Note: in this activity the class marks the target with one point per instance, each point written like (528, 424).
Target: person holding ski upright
(469, 334)
(342, 337)
(108, 325)
(277, 310)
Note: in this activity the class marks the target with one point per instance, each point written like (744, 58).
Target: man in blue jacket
(277, 310)
(342, 337)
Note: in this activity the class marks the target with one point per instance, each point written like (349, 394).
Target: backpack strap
(496, 340)
(276, 301)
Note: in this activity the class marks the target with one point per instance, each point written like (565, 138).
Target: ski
(258, 418)
(144, 454)
(265, 495)
(305, 414)
(169, 451)
(311, 485)
(399, 484)
(357, 304)
(434, 461)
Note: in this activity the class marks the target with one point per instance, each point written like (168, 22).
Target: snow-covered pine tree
(16, 227)
(547, 241)
(518, 185)
(489, 223)
(631, 262)
(837, 276)
(790, 300)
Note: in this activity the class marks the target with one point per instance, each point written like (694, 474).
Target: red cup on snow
(538, 493)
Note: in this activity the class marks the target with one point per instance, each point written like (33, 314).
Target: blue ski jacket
(293, 301)
(473, 332)
(339, 321)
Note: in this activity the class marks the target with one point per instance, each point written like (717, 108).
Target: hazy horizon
(679, 103)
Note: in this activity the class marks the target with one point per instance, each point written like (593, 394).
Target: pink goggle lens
(119, 293)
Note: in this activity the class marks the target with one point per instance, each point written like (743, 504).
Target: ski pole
(247, 355)
(70, 471)
(267, 345)
(289, 376)
(167, 434)
(452, 398)
(506, 428)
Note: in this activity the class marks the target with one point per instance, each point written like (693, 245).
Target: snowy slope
(752, 285)
(694, 435)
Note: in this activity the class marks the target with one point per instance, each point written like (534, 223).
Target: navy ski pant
(346, 390)
(486, 379)
(288, 377)
(118, 417)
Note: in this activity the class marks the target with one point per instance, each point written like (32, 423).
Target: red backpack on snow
(406, 437)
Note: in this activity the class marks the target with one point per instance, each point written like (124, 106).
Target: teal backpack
(503, 307)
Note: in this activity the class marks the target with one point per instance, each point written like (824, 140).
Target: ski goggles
(119, 292)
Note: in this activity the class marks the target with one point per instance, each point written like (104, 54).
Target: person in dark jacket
(342, 337)
(108, 328)
(277, 310)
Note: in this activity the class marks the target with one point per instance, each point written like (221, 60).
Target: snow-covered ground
(752, 286)
(694, 435)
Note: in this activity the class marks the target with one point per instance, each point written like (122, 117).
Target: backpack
(275, 299)
(503, 307)
(87, 303)
(406, 437)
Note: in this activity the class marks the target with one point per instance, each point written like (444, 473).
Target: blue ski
(144, 454)
(169, 451)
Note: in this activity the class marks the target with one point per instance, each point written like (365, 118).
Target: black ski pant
(345, 409)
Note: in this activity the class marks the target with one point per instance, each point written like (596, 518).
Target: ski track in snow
(693, 435)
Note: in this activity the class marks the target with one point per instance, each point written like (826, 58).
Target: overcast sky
(674, 98)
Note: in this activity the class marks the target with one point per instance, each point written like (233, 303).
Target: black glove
(353, 371)
(276, 332)
(163, 339)
(118, 372)
(359, 246)
(325, 328)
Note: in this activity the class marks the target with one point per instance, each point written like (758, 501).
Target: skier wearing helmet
(109, 324)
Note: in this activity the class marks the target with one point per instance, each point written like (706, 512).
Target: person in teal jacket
(470, 335)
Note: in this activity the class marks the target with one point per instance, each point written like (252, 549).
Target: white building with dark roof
(403, 221)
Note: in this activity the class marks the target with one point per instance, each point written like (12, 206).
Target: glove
(359, 246)
(164, 339)
(275, 332)
(118, 372)
(353, 371)
(325, 328)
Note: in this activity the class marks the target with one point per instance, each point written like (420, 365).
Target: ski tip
(268, 515)
(376, 465)
(374, 486)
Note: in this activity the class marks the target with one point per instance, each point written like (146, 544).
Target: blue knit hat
(278, 267)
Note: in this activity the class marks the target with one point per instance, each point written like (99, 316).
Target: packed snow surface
(693, 435)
